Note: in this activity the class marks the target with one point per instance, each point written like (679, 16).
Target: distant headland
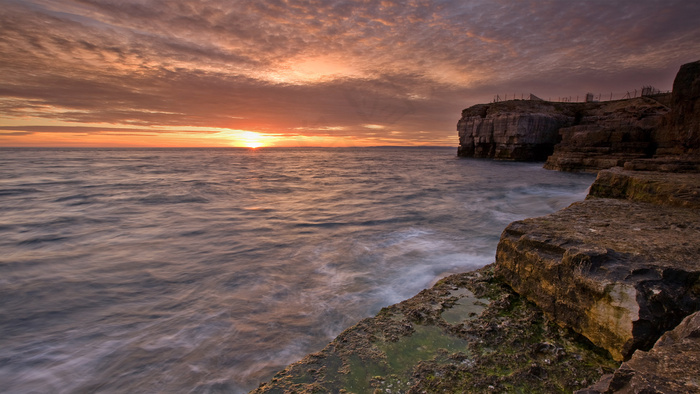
(589, 136)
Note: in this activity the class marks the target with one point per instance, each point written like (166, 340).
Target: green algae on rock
(655, 187)
(468, 333)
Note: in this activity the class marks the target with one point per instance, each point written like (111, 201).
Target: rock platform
(469, 333)
(571, 295)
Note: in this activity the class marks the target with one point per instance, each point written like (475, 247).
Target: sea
(208, 270)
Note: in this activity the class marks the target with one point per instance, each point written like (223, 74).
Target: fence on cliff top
(585, 98)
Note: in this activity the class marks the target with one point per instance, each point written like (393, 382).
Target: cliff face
(609, 135)
(515, 130)
(588, 136)
(681, 134)
(570, 136)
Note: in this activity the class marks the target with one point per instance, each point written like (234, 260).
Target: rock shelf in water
(468, 333)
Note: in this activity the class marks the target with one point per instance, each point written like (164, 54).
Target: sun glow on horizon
(252, 140)
(38, 132)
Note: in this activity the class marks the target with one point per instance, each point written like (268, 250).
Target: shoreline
(599, 297)
(484, 335)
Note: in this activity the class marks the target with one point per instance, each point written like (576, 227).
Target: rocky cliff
(570, 136)
(681, 133)
(600, 297)
(622, 267)
(610, 134)
(513, 130)
(588, 136)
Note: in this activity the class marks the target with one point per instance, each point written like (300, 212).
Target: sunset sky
(314, 72)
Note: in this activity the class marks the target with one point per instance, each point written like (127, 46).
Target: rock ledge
(619, 272)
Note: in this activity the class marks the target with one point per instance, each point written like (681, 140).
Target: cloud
(325, 67)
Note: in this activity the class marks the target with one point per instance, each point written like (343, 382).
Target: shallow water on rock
(207, 270)
(467, 307)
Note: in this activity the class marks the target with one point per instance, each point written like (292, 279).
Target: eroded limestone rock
(619, 272)
(609, 135)
(570, 136)
(681, 134)
(619, 132)
(663, 188)
(514, 130)
(671, 366)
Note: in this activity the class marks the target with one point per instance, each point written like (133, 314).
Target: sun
(251, 139)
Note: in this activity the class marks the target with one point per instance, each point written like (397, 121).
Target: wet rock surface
(469, 333)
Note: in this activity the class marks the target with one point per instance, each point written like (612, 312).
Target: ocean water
(207, 270)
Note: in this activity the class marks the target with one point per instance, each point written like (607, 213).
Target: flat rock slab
(619, 272)
(469, 333)
(662, 188)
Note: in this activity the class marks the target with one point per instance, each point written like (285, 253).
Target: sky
(250, 73)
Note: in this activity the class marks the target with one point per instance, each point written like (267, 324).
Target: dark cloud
(341, 68)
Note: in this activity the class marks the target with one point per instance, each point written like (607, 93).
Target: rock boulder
(620, 271)
(681, 134)
(671, 366)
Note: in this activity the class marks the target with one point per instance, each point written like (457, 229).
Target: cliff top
(566, 109)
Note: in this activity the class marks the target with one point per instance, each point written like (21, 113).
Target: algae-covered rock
(662, 188)
(469, 333)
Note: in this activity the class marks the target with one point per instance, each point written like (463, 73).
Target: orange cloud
(409, 67)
